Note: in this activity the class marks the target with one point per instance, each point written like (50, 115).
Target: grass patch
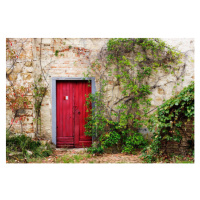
(184, 161)
(72, 158)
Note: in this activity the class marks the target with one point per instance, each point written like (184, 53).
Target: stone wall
(74, 56)
(186, 46)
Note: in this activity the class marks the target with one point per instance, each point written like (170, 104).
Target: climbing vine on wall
(133, 67)
(40, 88)
(39, 92)
(16, 94)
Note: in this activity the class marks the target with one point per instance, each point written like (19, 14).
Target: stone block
(158, 99)
(12, 77)
(160, 91)
(27, 76)
(18, 68)
(146, 133)
(46, 40)
(28, 120)
(28, 69)
(28, 64)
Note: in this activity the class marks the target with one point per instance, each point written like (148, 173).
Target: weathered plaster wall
(186, 46)
(21, 75)
(74, 58)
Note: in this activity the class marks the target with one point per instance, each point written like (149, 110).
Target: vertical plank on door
(64, 110)
(61, 109)
(71, 101)
(76, 116)
(58, 110)
(81, 92)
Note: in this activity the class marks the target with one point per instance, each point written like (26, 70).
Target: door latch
(65, 97)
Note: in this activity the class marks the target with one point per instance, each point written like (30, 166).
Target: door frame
(53, 96)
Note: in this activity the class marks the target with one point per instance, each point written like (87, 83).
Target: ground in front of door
(81, 156)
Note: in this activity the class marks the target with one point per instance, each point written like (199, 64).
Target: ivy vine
(133, 67)
(169, 123)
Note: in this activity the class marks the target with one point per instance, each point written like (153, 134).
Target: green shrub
(110, 139)
(134, 142)
(95, 150)
(23, 146)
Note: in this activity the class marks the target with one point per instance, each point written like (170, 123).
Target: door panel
(71, 113)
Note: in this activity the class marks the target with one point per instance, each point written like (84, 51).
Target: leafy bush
(95, 150)
(119, 139)
(110, 139)
(22, 146)
(133, 142)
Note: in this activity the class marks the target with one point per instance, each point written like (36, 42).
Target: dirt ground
(81, 156)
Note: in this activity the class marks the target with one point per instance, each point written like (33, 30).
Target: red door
(71, 113)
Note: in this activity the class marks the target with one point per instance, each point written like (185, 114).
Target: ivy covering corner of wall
(172, 126)
(133, 67)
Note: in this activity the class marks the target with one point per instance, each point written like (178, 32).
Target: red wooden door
(71, 113)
